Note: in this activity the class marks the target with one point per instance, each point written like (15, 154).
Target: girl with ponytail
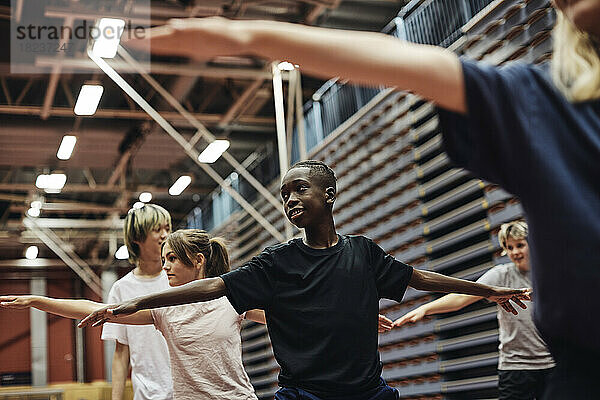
(203, 338)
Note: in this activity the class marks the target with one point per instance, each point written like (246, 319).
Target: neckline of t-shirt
(329, 250)
(144, 279)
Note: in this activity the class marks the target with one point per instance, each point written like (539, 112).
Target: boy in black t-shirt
(320, 294)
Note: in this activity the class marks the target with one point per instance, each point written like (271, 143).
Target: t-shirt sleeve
(111, 331)
(492, 277)
(251, 286)
(158, 317)
(493, 138)
(391, 275)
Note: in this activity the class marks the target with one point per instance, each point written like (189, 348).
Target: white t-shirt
(521, 346)
(206, 350)
(148, 353)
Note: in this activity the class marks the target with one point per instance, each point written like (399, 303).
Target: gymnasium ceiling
(120, 150)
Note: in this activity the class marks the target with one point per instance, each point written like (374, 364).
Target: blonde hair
(575, 63)
(514, 230)
(186, 243)
(138, 223)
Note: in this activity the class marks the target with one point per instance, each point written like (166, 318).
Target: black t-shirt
(321, 307)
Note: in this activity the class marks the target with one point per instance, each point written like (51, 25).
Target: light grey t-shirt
(521, 346)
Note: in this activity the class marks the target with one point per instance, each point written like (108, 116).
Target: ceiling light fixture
(108, 32)
(122, 253)
(213, 151)
(66, 147)
(51, 183)
(88, 99)
(31, 253)
(33, 212)
(145, 197)
(180, 185)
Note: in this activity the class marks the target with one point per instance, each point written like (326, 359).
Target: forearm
(449, 303)
(363, 57)
(200, 290)
(68, 308)
(434, 282)
(120, 370)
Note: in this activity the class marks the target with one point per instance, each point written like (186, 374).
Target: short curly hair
(320, 170)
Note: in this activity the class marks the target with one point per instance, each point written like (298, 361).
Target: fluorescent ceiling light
(122, 253)
(31, 253)
(285, 66)
(88, 99)
(213, 151)
(33, 212)
(66, 147)
(145, 197)
(108, 31)
(51, 182)
(138, 204)
(36, 204)
(180, 185)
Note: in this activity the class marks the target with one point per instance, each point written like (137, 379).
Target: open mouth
(295, 213)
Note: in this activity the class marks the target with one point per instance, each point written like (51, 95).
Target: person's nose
(292, 201)
(166, 267)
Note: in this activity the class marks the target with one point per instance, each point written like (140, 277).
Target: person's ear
(330, 195)
(200, 264)
(200, 260)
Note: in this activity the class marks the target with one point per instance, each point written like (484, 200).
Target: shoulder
(528, 76)
(503, 268)
(281, 249)
(497, 274)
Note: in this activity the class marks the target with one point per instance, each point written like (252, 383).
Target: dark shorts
(383, 392)
(523, 384)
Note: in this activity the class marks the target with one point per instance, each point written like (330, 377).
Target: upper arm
(391, 276)
(251, 286)
(368, 58)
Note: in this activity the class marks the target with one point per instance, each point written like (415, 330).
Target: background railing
(436, 22)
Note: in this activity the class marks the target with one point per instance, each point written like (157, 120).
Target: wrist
(33, 300)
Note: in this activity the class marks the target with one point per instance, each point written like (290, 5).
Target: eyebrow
(298, 180)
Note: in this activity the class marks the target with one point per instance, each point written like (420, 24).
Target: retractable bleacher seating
(397, 186)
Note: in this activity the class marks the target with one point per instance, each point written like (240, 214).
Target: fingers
(519, 302)
(508, 307)
(401, 321)
(96, 318)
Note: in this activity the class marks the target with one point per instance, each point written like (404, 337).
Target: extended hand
(108, 313)
(15, 302)
(199, 38)
(502, 296)
(385, 324)
(410, 317)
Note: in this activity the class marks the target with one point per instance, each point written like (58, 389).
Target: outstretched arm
(448, 303)
(427, 280)
(193, 292)
(69, 308)
(363, 57)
